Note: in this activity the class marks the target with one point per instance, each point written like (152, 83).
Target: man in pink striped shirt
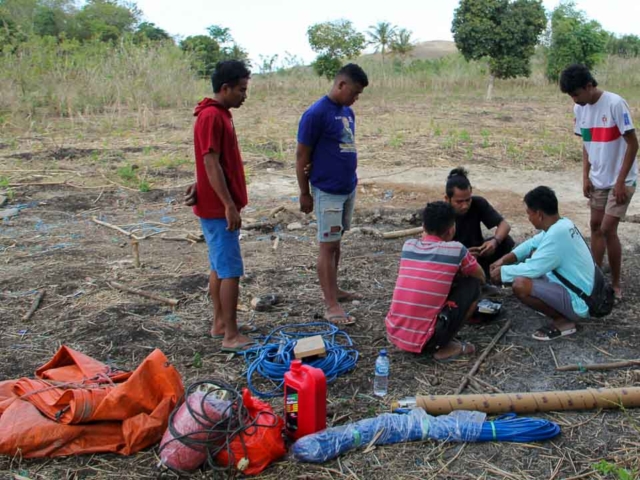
(437, 289)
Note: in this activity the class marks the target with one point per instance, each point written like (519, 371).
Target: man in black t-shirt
(471, 210)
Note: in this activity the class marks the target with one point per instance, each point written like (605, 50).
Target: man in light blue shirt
(531, 265)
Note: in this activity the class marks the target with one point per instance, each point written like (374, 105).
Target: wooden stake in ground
(34, 306)
(135, 245)
(484, 355)
(169, 301)
(599, 366)
(402, 233)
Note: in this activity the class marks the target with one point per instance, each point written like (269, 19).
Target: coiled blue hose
(511, 428)
(272, 358)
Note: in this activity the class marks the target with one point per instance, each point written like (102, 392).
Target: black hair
(229, 72)
(542, 199)
(574, 77)
(355, 73)
(438, 217)
(458, 178)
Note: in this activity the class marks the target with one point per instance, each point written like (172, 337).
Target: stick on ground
(484, 355)
(116, 228)
(34, 306)
(169, 301)
(402, 233)
(599, 366)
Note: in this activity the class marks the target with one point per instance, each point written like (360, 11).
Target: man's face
(348, 92)
(460, 201)
(582, 96)
(535, 218)
(234, 97)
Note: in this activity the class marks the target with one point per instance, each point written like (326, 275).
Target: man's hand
(620, 192)
(496, 265)
(587, 187)
(474, 251)
(234, 222)
(306, 203)
(488, 248)
(496, 275)
(190, 196)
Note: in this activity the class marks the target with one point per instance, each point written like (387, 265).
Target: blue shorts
(333, 213)
(224, 248)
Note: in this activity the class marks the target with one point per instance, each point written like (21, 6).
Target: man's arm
(619, 190)
(219, 185)
(303, 160)
(478, 273)
(587, 186)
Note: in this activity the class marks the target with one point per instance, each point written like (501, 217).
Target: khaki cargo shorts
(604, 199)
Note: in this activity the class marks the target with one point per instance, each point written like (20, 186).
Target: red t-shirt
(214, 132)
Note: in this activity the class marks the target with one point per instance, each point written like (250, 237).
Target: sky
(268, 27)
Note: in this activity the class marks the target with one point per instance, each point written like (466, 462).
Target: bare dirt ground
(54, 245)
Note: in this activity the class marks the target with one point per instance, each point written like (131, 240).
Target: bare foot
(617, 292)
(344, 296)
(338, 316)
(238, 341)
(453, 350)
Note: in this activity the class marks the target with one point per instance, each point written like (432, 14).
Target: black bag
(601, 300)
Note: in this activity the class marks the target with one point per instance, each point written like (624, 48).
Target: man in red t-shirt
(221, 195)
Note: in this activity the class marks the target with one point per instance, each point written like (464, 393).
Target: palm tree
(402, 43)
(381, 35)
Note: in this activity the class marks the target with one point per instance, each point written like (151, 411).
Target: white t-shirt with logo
(601, 127)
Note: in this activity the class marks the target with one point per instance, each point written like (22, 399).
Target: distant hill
(427, 50)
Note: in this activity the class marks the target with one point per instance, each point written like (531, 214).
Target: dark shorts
(555, 296)
(464, 292)
(505, 247)
(224, 248)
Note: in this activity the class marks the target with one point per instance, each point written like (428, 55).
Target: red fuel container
(305, 400)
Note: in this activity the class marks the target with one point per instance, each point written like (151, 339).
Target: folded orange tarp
(80, 405)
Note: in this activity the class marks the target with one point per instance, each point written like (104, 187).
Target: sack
(259, 445)
(602, 298)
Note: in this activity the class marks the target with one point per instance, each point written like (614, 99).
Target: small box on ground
(310, 347)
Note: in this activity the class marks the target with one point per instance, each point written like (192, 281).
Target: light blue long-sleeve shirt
(560, 248)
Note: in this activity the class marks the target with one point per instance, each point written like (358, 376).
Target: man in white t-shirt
(609, 167)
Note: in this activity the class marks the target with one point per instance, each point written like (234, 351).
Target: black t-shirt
(468, 231)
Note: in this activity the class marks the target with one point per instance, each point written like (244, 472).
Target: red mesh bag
(260, 445)
(191, 421)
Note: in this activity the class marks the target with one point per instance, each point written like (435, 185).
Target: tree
(625, 46)
(206, 51)
(381, 36)
(402, 44)
(573, 39)
(503, 31)
(106, 20)
(149, 32)
(333, 42)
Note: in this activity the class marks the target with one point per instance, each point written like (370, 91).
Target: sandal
(341, 319)
(466, 349)
(546, 334)
(243, 327)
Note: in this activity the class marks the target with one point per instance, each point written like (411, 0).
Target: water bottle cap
(383, 352)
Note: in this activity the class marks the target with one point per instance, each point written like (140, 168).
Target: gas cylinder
(305, 400)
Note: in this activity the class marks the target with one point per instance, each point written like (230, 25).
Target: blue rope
(272, 358)
(511, 428)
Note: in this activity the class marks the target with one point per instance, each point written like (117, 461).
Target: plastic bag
(190, 423)
(461, 426)
(259, 445)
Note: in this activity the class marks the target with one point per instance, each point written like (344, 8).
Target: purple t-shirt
(330, 130)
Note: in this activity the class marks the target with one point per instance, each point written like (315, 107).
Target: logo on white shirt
(604, 119)
(627, 120)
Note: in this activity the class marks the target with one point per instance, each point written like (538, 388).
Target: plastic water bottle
(381, 380)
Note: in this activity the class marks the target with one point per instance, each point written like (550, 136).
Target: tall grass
(42, 77)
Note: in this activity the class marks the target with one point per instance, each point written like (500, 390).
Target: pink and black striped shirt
(427, 269)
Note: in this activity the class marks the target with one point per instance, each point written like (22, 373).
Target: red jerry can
(305, 400)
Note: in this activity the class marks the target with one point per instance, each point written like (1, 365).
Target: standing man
(326, 141)
(221, 195)
(609, 168)
(471, 211)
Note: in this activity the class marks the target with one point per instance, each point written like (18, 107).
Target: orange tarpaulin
(79, 405)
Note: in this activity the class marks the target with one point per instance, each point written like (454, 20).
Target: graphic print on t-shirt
(347, 138)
